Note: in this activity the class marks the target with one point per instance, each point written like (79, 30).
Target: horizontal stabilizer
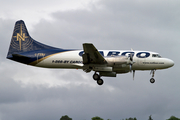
(20, 56)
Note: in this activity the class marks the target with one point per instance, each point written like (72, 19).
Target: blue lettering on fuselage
(143, 55)
(113, 53)
(82, 52)
(124, 53)
(116, 53)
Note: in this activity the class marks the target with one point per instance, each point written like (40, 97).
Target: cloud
(36, 93)
(37, 10)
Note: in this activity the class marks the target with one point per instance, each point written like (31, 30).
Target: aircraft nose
(169, 62)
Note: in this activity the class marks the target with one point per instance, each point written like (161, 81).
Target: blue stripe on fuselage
(32, 56)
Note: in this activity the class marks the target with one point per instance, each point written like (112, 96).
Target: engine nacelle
(117, 60)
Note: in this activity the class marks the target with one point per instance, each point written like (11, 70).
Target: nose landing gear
(97, 78)
(152, 80)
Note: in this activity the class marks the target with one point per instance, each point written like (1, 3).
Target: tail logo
(20, 40)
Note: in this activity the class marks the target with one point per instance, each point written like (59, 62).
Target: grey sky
(28, 92)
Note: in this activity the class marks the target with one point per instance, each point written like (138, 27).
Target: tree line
(66, 117)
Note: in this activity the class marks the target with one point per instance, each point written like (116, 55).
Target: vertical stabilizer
(21, 41)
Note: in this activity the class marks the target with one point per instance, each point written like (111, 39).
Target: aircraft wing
(91, 55)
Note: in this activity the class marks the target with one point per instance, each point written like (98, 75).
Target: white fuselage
(143, 60)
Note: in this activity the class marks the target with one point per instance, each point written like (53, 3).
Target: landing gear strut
(152, 80)
(97, 78)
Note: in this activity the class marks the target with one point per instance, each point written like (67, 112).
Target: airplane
(105, 63)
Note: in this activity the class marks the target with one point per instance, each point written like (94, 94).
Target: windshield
(156, 55)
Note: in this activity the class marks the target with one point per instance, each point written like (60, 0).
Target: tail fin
(22, 42)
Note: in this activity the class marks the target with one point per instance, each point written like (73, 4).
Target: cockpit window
(156, 55)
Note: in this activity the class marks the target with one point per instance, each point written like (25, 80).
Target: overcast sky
(31, 93)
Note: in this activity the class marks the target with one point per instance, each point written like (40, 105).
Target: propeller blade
(130, 67)
(131, 61)
(133, 74)
(131, 57)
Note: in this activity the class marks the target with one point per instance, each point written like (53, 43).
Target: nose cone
(169, 63)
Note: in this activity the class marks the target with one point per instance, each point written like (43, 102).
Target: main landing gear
(152, 80)
(97, 78)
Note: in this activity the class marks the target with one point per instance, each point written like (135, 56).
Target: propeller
(131, 62)
(131, 57)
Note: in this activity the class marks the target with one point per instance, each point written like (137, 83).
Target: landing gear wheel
(96, 76)
(152, 80)
(100, 82)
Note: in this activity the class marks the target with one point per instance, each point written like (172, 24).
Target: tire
(100, 82)
(152, 80)
(96, 77)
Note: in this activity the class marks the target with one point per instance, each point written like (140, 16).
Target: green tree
(65, 118)
(96, 118)
(150, 118)
(173, 118)
(131, 119)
